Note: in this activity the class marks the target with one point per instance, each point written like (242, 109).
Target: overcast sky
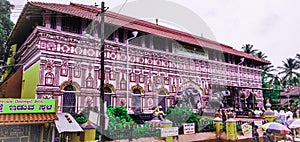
(272, 26)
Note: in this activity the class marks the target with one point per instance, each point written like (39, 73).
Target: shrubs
(179, 115)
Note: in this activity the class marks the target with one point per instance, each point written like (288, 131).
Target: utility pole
(102, 115)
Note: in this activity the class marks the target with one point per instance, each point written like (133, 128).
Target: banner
(246, 129)
(12, 106)
(190, 53)
(188, 128)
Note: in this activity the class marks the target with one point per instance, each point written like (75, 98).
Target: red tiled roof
(33, 118)
(89, 12)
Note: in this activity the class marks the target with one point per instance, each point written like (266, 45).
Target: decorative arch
(190, 93)
(67, 83)
(163, 91)
(138, 88)
(191, 84)
(109, 88)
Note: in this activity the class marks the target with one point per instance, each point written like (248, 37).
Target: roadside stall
(26, 120)
(67, 129)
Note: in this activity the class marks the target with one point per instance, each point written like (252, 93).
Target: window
(136, 91)
(64, 71)
(112, 75)
(159, 43)
(121, 35)
(136, 103)
(49, 77)
(166, 81)
(132, 77)
(77, 72)
(107, 90)
(123, 83)
(71, 24)
(53, 21)
(141, 78)
(147, 40)
(89, 81)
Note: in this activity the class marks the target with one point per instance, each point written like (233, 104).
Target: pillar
(231, 132)
(218, 125)
(269, 114)
(167, 124)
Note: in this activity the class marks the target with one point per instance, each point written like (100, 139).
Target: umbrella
(294, 124)
(274, 127)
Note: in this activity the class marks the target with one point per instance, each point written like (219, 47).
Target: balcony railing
(77, 46)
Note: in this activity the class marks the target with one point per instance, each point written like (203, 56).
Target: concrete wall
(12, 87)
(30, 81)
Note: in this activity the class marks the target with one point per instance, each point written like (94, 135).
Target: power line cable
(122, 6)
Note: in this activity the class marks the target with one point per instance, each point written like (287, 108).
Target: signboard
(94, 118)
(10, 106)
(188, 128)
(190, 53)
(258, 123)
(246, 129)
(169, 132)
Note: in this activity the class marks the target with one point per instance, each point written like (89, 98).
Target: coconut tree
(248, 48)
(267, 75)
(261, 55)
(289, 70)
(298, 56)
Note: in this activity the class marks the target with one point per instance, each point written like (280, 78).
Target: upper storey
(83, 19)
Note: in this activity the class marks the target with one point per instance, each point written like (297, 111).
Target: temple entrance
(190, 93)
(162, 97)
(108, 91)
(190, 96)
(136, 102)
(251, 101)
(69, 99)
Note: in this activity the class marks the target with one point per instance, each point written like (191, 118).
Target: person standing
(255, 134)
(268, 137)
(224, 116)
(288, 115)
(199, 107)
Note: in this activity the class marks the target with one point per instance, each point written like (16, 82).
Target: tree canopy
(6, 26)
(248, 48)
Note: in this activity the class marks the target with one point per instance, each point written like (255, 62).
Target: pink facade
(70, 64)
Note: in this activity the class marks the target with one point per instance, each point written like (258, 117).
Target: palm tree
(289, 70)
(261, 55)
(267, 76)
(298, 56)
(248, 49)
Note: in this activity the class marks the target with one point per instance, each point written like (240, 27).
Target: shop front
(24, 120)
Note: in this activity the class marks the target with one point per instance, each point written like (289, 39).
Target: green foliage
(294, 105)
(118, 117)
(119, 112)
(6, 26)
(121, 125)
(182, 115)
(81, 119)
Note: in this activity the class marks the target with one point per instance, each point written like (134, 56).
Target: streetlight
(134, 33)
(102, 115)
(238, 65)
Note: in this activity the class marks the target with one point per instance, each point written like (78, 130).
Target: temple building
(59, 48)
